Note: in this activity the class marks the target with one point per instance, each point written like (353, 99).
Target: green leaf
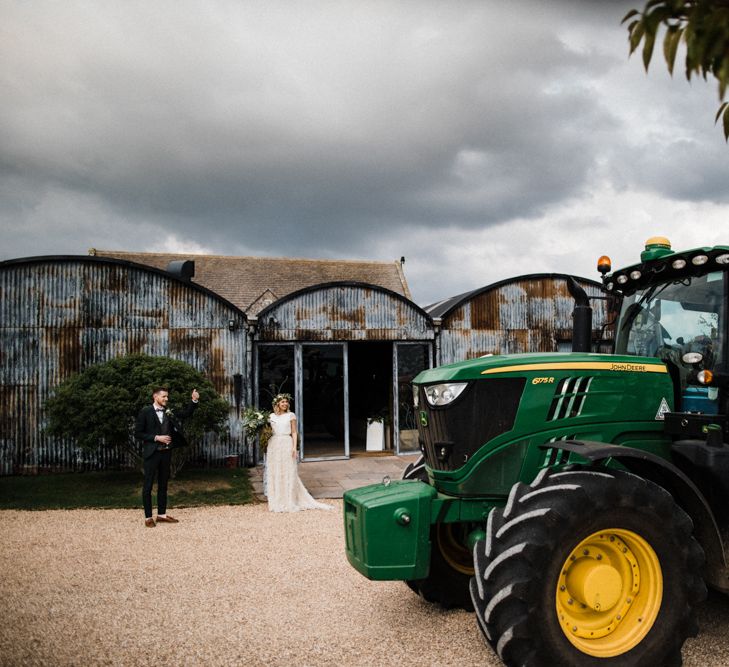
(636, 35)
(670, 46)
(722, 75)
(722, 108)
(723, 113)
(630, 14)
(649, 42)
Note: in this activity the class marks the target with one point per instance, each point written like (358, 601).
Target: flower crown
(280, 397)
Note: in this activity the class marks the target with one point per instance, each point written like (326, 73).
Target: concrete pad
(348, 484)
(362, 475)
(329, 479)
(328, 492)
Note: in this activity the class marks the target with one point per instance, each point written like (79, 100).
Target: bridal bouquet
(255, 423)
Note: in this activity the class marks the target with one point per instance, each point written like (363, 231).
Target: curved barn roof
(346, 283)
(91, 259)
(442, 309)
(344, 310)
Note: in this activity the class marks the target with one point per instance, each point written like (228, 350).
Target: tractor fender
(662, 472)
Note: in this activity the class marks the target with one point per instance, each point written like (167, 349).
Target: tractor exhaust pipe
(581, 318)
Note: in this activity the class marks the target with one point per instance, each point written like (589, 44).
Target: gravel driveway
(226, 586)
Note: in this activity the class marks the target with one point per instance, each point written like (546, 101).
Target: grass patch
(123, 490)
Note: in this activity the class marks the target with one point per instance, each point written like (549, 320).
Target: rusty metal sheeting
(531, 315)
(344, 312)
(61, 315)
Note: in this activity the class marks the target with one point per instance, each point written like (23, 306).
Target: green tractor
(576, 501)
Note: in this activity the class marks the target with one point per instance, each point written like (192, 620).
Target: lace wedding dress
(286, 492)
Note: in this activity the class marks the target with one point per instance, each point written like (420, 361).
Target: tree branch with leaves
(702, 25)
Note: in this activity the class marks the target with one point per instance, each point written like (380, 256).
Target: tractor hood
(538, 363)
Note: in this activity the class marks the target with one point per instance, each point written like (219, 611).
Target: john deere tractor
(576, 501)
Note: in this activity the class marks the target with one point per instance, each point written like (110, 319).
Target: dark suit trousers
(157, 465)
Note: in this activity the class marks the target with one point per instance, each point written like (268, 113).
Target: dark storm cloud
(669, 144)
(684, 169)
(480, 139)
(325, 118)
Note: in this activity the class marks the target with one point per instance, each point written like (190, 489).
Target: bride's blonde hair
(280, 397)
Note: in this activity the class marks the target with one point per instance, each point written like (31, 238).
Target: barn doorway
(351, 398)
(323, 397)
(370, 396)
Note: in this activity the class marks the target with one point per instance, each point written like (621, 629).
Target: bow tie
(159, 409)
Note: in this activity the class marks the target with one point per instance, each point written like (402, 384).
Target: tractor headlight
(443, 394)
(416, 396)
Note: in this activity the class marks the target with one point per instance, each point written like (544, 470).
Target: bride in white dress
(286, 492)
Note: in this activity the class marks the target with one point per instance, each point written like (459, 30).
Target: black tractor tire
(529, 590)
(445, 584)
(450, 569)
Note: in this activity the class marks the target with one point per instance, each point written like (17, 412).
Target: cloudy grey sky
(480, 140)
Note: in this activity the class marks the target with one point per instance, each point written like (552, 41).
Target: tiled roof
(249, 282)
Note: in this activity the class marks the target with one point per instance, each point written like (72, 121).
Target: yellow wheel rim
(455, 552)
(609, 592)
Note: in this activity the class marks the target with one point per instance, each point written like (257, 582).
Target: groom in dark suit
(159, 432)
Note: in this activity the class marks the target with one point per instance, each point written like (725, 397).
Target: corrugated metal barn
(61, 314)
(347, 353)
(531, 313)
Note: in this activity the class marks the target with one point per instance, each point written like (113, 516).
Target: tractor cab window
(667, 320)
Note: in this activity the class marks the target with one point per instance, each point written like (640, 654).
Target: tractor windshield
(667, 320)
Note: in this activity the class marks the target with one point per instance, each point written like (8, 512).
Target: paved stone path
(330, 479)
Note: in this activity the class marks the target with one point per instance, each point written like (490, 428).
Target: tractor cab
(682, 322)
(674, 307)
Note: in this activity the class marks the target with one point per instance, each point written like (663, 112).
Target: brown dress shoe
(150, 523)
(167, 519)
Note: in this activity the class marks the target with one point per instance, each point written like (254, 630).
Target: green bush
(98, 406)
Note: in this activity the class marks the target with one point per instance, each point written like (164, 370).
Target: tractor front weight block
(387, 529)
